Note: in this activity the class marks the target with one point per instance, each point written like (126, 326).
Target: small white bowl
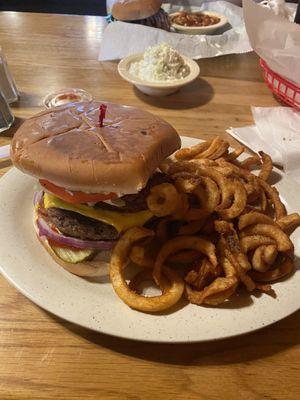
(201, 30)
(65, 96)
(156, 88)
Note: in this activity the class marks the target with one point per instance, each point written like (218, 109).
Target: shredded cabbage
(160, 63)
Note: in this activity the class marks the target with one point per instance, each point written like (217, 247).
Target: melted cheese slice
(120, 221)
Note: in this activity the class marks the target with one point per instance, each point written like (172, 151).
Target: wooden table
(43, 357)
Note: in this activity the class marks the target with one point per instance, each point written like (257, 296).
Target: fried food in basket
(218, 226)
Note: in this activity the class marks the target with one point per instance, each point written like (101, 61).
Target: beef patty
(76, 225)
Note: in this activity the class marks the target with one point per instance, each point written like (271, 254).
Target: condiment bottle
(7, 84)
(6, 116)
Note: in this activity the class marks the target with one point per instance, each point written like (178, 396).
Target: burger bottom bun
(96, 267)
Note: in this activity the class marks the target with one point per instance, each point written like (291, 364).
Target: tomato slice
(76, 197)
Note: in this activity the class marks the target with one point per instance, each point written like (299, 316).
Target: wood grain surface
(43, 357)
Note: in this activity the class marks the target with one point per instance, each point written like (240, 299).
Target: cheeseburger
(95, 164)
(143, 12)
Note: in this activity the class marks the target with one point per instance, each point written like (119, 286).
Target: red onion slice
(38, 197)
(45, 230)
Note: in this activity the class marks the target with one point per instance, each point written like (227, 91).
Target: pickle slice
(73, 256)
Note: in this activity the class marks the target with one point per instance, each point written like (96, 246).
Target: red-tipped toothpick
(102, 112)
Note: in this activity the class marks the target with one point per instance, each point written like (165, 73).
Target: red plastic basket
(285, 90)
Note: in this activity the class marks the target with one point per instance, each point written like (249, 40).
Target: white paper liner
(274, 39)
(121, 39)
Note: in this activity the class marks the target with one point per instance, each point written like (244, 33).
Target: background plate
(25, 263)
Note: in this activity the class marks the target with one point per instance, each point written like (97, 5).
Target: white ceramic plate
(94, 305)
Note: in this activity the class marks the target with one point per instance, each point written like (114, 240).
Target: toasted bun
(66, 146)
(130, 10)
(86, 269)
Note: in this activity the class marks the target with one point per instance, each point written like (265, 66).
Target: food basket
(285, 90)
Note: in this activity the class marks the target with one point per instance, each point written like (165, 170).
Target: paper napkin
(276, 132)
(4, 151)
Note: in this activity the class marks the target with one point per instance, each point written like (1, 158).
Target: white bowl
(156, 88)
(201, 30)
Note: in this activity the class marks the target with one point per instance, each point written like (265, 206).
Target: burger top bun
(130, 10)
(66, 146)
